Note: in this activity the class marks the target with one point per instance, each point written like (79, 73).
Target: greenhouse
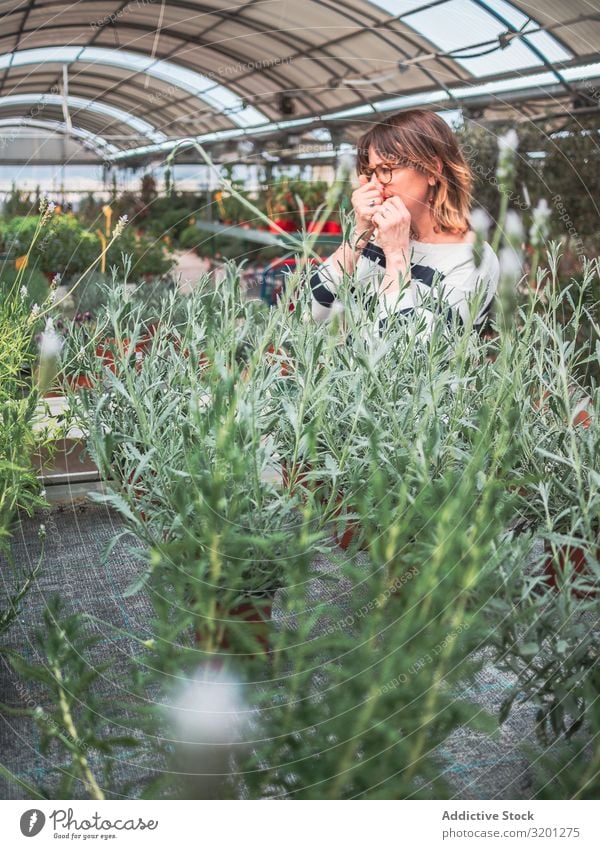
(299, 387)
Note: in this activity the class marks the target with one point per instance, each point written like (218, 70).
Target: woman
(412, 245)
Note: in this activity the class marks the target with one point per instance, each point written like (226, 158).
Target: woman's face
(411, 185)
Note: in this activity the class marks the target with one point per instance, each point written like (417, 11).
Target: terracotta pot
(285, 224)
(54, 393)
(80, 381)
(68, 456)
(275, 355)
(299, 474)
(203, 361)
(105, 351)
(151, 331)
(254, 615)
(76, 381)
(344, 531)
(582, 418)
(345, 540)
(576, 557)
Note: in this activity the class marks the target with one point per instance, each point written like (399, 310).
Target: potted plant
(284, 207)
(569, 564)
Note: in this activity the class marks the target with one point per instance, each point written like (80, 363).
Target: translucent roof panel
(454, 25)
(398, 7)
(37, 57)
(145, 76)
(137, 124)
(493, 89)
(543, 41)
(203, 87)
(59, 126)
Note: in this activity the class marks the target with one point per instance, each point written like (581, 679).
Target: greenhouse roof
(136, 76)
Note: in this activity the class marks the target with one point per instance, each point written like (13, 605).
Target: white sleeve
(324, 283)
(327, 278)
(448, 297)
(407, 302)
(463, 285)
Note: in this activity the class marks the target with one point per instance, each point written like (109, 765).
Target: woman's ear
(438, 167)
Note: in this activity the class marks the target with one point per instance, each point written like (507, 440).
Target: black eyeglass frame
(368, 172)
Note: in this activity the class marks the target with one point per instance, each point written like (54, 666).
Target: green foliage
(19, 202)
(73, 724)
(89, 212)
(67, 248)
(35, 282)
(443, 463)
(570, 770)
(372, 693)
(19, 487)
(148, 255)
(173, 223)
(565, 168)
(190, 237)
(148, 191)
(22, 380)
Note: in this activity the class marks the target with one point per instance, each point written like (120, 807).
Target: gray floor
(71, 568)
(477, 767)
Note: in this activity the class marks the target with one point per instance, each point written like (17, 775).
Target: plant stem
(88, 776)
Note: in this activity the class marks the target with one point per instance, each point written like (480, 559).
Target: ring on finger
(371, 203)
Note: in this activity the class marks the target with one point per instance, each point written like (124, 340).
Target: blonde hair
(421, 139)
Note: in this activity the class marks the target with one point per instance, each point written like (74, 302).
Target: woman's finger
(399, 207)
(368, 194)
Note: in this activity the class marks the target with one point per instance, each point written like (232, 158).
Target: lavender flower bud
(508, 142)
(51, 344)
(507, 149)
(510, 263)
(121, 224)
(208, 717)
(513, 228)
(480, 222)
(539, 231)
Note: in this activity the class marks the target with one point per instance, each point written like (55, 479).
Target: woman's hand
(366, 200)
(392, 220)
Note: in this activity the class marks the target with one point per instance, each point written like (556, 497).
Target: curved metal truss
(139, 75)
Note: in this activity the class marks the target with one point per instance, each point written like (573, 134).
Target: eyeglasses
(383, 173)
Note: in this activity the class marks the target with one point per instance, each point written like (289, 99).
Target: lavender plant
(447, 456)
(20, 390)
(71, 728)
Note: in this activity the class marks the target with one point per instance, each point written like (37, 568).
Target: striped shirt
(444, 278)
